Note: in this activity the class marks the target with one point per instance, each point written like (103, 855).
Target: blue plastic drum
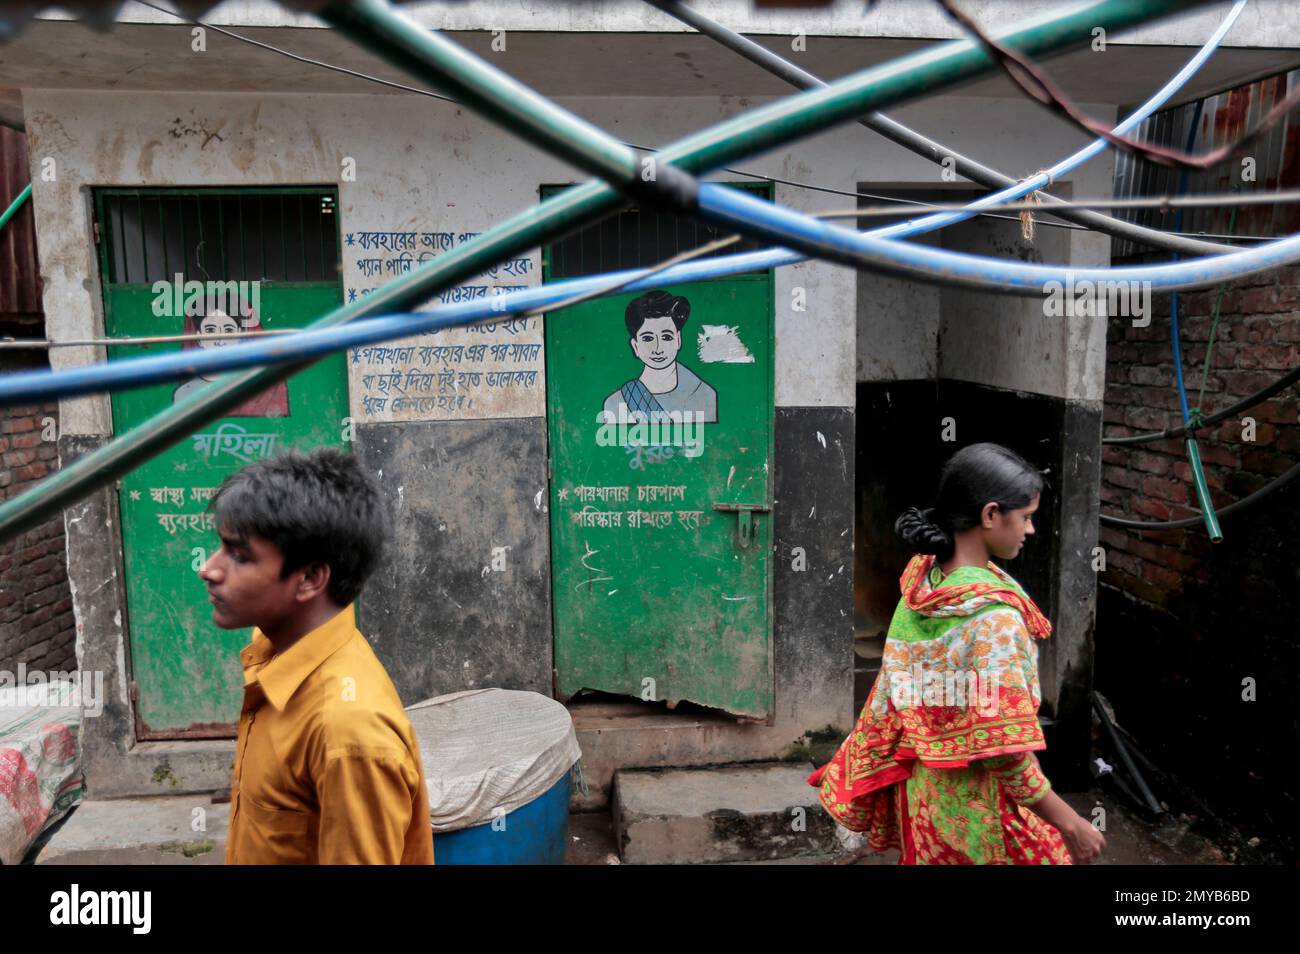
(498, 766)
(536, 834)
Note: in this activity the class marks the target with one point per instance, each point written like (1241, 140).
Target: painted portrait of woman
(214, 320)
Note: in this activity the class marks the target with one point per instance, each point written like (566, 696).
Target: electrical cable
(1198, 417)
(42, 381)
(756, 131)
(717, 203)
(936, 152)
(1272, 487)
(1207, 200)
(897, 132)
(1281, 384)
(1094, 148)
(293, 346)
(1033, 81)
(814, 238)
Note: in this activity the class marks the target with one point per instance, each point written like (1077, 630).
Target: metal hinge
(95, 227)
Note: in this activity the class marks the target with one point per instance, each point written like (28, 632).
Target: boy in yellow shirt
(327, 766)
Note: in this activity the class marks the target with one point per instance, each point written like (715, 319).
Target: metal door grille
(637, 238)
(272, 234)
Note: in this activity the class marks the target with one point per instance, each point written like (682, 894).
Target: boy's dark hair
(317, 507)
(656, 304)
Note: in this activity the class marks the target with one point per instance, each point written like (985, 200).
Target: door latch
(745, 528)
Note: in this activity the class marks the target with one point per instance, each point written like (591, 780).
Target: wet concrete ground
(1130, 840)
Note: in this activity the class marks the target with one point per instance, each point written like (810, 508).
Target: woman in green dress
(941, 763)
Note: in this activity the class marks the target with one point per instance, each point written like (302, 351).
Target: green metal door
(186, 677)
(661, 538)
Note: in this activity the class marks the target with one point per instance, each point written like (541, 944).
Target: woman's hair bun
(916, 528)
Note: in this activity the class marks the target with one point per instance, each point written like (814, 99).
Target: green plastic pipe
(15, 205)
(1203, 492)
(754, 132)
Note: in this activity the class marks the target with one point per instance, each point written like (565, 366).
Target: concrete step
(141, 831)
(634, 734)
(718, 814)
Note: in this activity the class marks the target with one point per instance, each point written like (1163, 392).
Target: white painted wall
(427, 166)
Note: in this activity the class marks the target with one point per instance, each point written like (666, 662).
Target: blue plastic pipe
(139, 372)
(1193, 451)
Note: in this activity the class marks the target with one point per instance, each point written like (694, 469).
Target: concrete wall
(1009, 341)
(1269, 23)
(899, 318)
(422, 165)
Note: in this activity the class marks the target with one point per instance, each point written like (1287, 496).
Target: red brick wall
(1257, 341)
(36, 624)
(1196, 641)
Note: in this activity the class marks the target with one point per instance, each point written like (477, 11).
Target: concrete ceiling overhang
(54, 54)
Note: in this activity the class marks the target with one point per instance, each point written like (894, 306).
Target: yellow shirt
(327, 767)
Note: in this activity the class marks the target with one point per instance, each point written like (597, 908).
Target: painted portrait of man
(654, 325)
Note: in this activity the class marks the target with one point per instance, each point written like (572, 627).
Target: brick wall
(36, 623)
(1183, 624)
(1257, 341)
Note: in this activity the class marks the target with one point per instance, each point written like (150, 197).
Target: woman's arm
(1083, 840)
(1023, 779)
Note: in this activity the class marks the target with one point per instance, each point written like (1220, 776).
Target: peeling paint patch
(721, 343)
(821, 439)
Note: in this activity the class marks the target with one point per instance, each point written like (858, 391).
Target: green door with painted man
(659, 418)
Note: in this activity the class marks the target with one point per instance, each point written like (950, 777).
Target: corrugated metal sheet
(20, 280)
(1224, 117)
